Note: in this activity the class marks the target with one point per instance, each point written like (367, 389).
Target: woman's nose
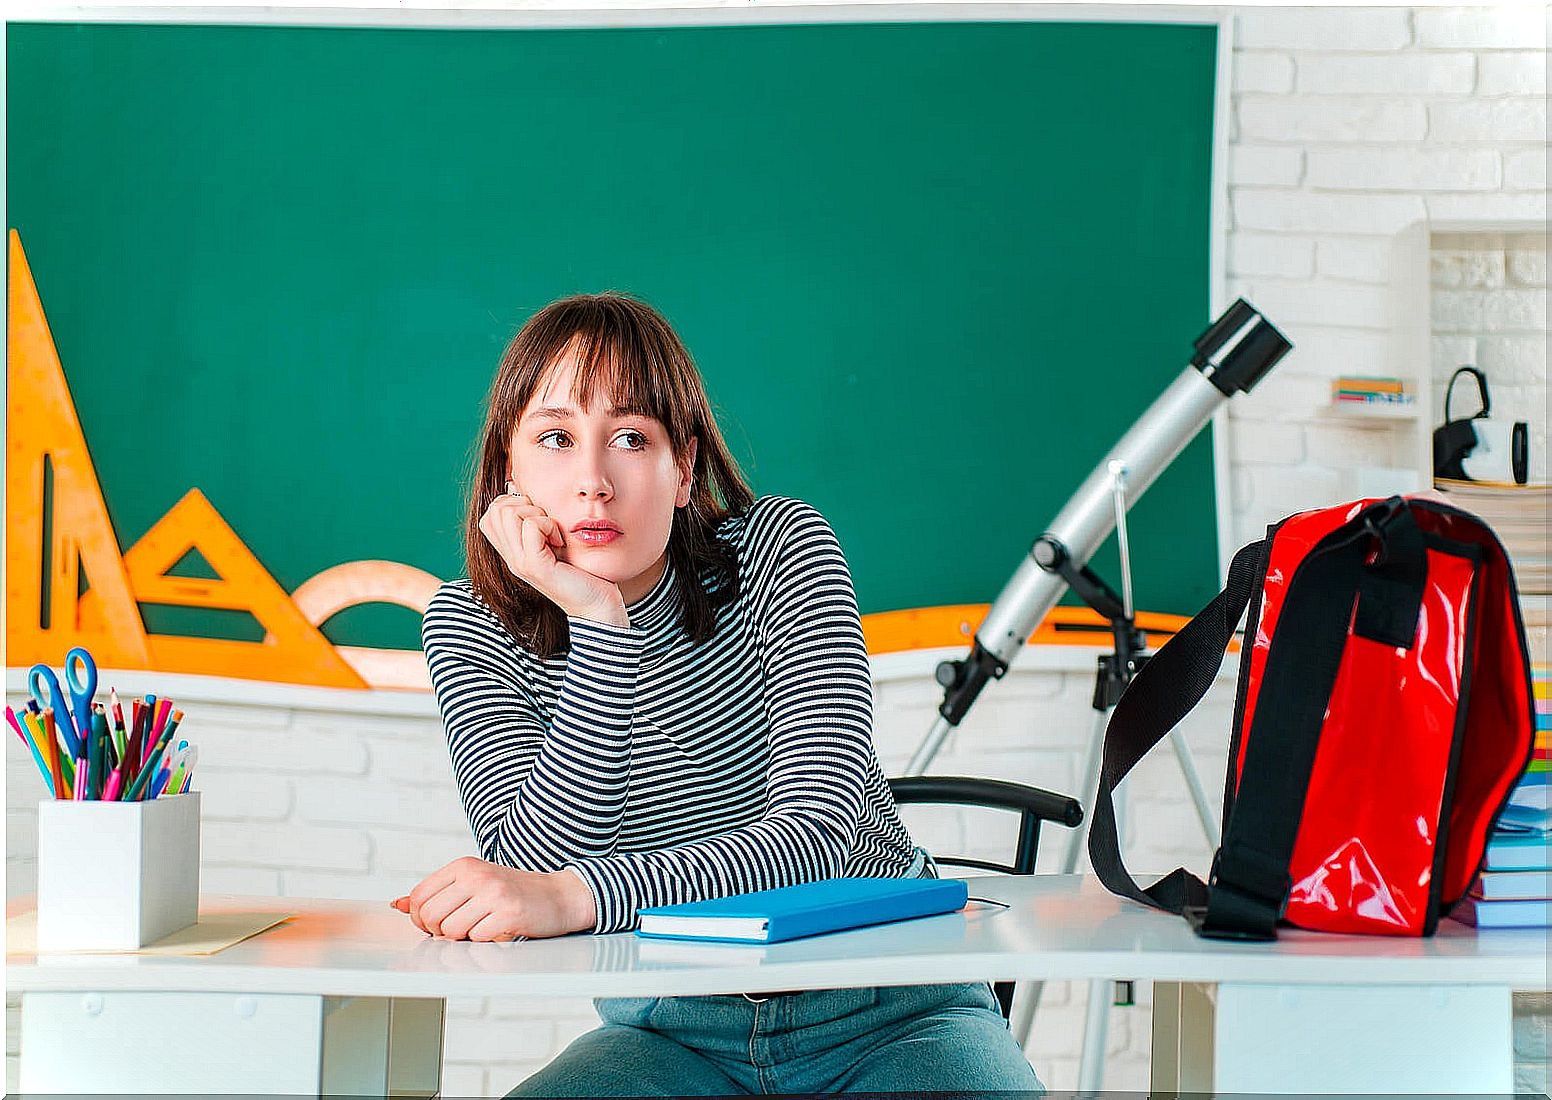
(593, 482)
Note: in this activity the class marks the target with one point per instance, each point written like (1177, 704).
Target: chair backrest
(1032, 804)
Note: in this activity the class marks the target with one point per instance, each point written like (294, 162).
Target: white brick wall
(1348, 125)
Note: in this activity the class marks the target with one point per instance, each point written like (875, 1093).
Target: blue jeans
(914, 1038)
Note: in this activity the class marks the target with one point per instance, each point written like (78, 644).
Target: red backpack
(1384, 711)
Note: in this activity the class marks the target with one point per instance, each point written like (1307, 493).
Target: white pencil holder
(116, 875)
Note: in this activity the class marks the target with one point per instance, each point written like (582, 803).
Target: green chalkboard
(931, 272)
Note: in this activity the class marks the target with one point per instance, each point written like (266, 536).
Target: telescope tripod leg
(1022, 1018)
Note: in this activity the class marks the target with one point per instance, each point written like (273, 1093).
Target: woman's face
(609, 468)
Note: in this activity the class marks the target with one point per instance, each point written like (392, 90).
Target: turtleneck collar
(656, 608)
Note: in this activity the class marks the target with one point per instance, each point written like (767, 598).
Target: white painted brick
(467, 1006)
(268, 845)
(1511, 360)
(374, 726)
(258, 881)
(21, 877)
(21, 831)
(1334, 28)
(1283, 395)
(1497, 26)
(325, 884)
(1300, 212)
(486, 1039)
(1448, 354)
(1280, 491)
(1524, 206)
(1241, 494)
(1528, 266)
(1458, 310)
(1336, 304)
(1514, 310)
(1340, 445)
(230, 795)
(282, 750)
(1391, 169)
(1394, 74)
(1269, 254)
(416, 854)
(1263, 443)
(572, 1016)
(1522, 118)
(1360, 259)
(375, 801)
(1525, 170)
(410, 761)
(1330, 353)
(1262, 71)
(237, 715)
(1267, 165)
(1512, 73)
(1331, 118)
(461, 1079)
(1466, 269)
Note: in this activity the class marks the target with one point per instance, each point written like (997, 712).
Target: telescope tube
(1230, 357)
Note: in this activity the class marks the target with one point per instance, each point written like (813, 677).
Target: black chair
(1032, 804)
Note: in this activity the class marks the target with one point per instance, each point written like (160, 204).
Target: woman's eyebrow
(557, 412)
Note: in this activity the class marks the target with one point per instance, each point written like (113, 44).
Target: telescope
(1230, 357)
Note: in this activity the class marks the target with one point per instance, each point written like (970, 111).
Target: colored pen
(50, 750)
(110, 793)
(37, 757)
(153, 762)
(163, 709)
(188, 769)
(118, 722)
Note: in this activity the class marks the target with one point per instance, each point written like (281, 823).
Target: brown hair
(628, 347)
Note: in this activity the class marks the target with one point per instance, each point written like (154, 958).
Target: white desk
(347, 997)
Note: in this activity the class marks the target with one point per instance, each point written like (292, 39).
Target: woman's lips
(595, 536)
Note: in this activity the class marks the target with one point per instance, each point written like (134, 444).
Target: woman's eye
(552, 440)
(635, 441)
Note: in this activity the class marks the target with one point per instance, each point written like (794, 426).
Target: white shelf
(1378, 411)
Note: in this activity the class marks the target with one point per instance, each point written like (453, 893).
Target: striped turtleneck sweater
(661, 771)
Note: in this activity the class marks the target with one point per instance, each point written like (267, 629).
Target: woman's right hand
(528, 538)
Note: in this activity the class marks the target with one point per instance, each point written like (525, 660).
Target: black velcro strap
(1390, 595)
(1163, 692)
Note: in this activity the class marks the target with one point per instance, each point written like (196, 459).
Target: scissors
(81, 678)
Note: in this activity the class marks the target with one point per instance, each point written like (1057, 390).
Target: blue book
(807, 909)
(1514, 885)
(1503, 914)
(1529, 852)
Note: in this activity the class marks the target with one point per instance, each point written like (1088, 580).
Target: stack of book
(1515, 889)
(1366, 391)
(1518, 515)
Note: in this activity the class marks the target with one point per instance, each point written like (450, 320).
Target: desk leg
(181, 1043)
(1323, 1039)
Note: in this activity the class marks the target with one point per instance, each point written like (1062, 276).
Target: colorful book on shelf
(1503, 914)
(1359, 383)
(807, 909)
(1513, 885)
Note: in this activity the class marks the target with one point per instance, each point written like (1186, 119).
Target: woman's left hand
(477, 900)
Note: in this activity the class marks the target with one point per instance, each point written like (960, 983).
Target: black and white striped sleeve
(539, 791)
(819, 697)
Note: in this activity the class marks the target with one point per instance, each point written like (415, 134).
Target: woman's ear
(687, 474)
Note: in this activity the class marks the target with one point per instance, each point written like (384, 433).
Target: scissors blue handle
(48, 694)
(81, 679)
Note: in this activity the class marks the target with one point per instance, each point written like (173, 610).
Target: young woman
(655, 690)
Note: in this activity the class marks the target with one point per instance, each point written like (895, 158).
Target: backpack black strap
(1249, 880)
